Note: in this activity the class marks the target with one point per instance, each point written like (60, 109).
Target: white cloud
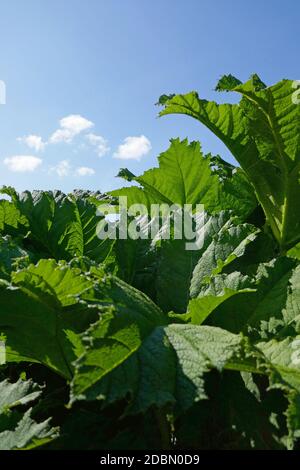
(22, 163)
(84, 171)
(61, 135)
(133, 148)
(33, 141)
(62, 169)
(70, 126)
(99, 143)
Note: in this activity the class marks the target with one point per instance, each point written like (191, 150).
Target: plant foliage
(142, 344)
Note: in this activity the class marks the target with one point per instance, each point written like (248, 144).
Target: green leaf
(232, 419)
(227, 83)
(196, 182)
(283, 365)
(166, 369)
(272, 309)
(40, 313)
(11, 221)
(18, 393)
(52, 303)
(221, 288)
(11, 256)
(136, 263)
(230, 243)
(20, 430)
(230, 83)
(293, 419)
(188, 270)
(62, 226)
(262, 132)
(294, 252)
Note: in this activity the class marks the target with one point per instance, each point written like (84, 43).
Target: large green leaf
(52, 303)
(233, 419)
(18, 393)
(182, 272)
(136, 262)
(19, 430)
(271, 309)
(220, 289)
(199, 180)
(61, 226)
(40, 313)
(165, 368)
(282, 359)
(11, 220)
(170, 273)
(186, 176)
(11, 256)
(262, 132)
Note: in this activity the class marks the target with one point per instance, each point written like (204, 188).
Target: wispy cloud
(34, 142)
(100, 144)
(22, 163)
(133, 148)
(62, 169)
(84, 171)
(70, 126)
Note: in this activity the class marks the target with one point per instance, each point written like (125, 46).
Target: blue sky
(82, 77)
